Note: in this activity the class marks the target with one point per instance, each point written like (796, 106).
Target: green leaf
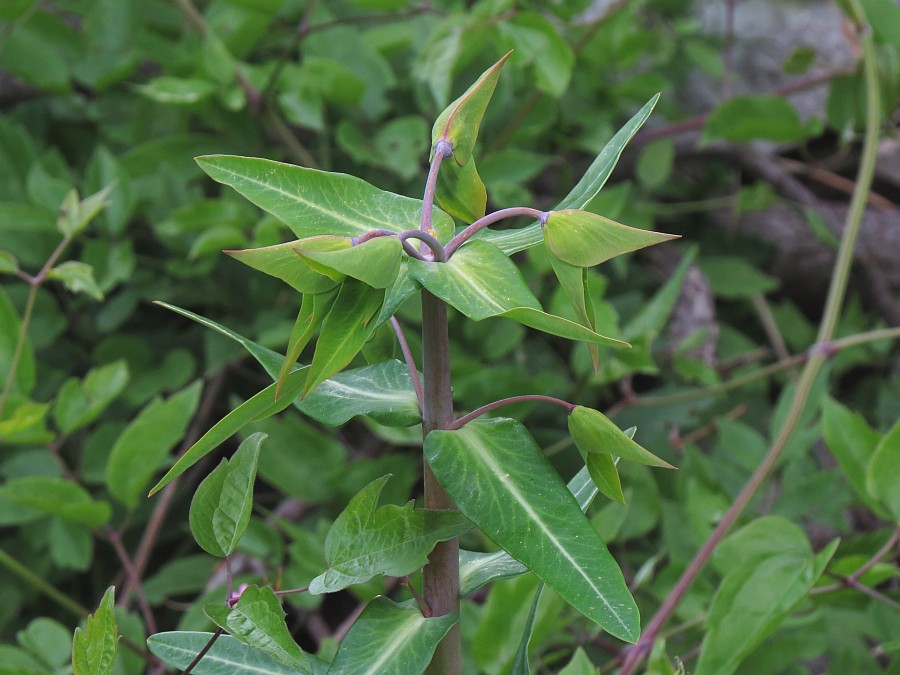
(283, 262)
(653, 315)
(602, 468)
(147, 441)
(312, 202)
(654, 165)
(75, 215)
(481, 282)
(771, 570)
(883, 471)
(755, 117)
(258, 407)
(574, 282)
(375, 262)
(594, 432)
(176, 90)
(383, 391)
(77, 277)
(23, 381)
(30, 498)
(24, 422)
(520, 664)
(258, 621)
(538, 39)
(500, 479)
(227, 655)
(478, 569)
(313, 310)
(94, 648)
(580, 664)
(460, 191)
(347, 327)
(8, 263)
(853, 442)
(732, 277)
(220, 509)
(513, 241)
(390, 638)
(392, 540)
(80, 402)
(585, 239)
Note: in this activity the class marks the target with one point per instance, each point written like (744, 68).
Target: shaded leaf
(392, 540)
(77, 277)
(460, 191)
(227, 655)
(23, 382)
(94, 648)
(574, 282)
(883, 471)
(500, 479)
(29, 498)
(220, 508)
(520, 664)
(80, 402)
(313, 310)
(8, 263)
(602, 468)
(755, 117)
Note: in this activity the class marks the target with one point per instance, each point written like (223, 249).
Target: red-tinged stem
(410, 362)
(437, 251)
(442, 149)
(490, 219)
(512, 400)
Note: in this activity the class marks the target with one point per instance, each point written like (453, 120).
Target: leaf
(375, 262)
(366, 541)
(313, 310)
(176, 90)
(220, 508)
(574, 282)
(460, 191)
(481, 282)
(227, 655)
(383, 391)
(755, 117)
(146, 441)
(24, 379)
(758, 593)
(732, 277)
(80, 402)
(883, 470)
(77, 277)
(347, 327)
(652, 316)
(258, 407)
(30, 498)
(75, 215)
(602, 468)
(478, 569)
(520, 664)
(8, 263)
(594, 432)
(852, 442)
(580, 664)
(585, 239)
(94, 648)
(390, 638)
(282, 262)
(539, 40)
(312, 202)
(500, 479)
(259, 621)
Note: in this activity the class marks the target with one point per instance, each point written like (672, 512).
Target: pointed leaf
(94, 648)
(585, 239)
(654, 314)
(262, 405)
(460, 191)
(347, 327)
(375, 262)
(574, 282)
(259, 621)
(383, 391)
(282, 262)
(390, 638)
(500, 479)
(883, 470)
(460, 121)
(602, 468)
(80, 402)
(147, 441)
(23, 381)
(227, 655)
(220, 509)
(594, 432)
(392, 540)
(312, 202)
(520, 664)
(313, 310)
(77, 277)
(481, 282)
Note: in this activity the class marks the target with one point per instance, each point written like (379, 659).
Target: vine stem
(489, 219)
(512, 400)
(410, 362)
(836, 291)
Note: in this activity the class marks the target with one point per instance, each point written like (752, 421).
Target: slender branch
(636, 654)
(42, 585)
(490, 219)
(437, 251)
(441, 149)
(512, 400)
(292, 591)
(850, 581)
(371, 234)
(410, 362)
(202, 653)
(115, 540)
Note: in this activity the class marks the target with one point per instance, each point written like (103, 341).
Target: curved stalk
(512, 400)
(490, 219)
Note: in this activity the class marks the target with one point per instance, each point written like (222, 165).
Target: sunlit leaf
(594, 432)
(282, 262)
(375, 262)
(227, 655)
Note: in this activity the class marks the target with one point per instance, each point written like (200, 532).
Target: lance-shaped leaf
(367, 540)
(313, 310)
(460, 190)
(313, 202)
(346, 328)
(594, 432)
(574, 282)
(258, 407)
(399, 292)
(481, 282)
(602, 468)
(375, 262)
(258, 620)
(513, 241)
(220, 509)
(383, 391)
(883, 470)
(520, 665)
(390, 638)
(94, 648)
(498, 476)
(227, 655)
(282, 262)
(585, 239)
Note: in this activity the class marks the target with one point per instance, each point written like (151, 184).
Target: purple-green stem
(817, 355)
(440, 578)
(490, 219)
(512, 400)
(410, 362)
